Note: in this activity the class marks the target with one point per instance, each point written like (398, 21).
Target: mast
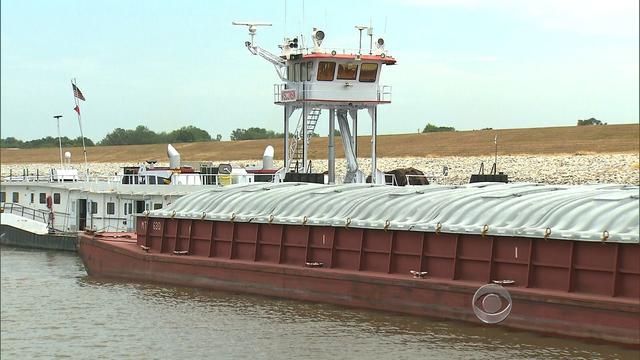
(57, 117)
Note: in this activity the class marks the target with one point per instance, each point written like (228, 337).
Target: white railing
(382, 93)
(134, 179)
(341, 51)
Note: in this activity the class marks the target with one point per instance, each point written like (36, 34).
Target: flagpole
(84, 148)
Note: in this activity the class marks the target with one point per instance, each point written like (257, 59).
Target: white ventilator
(174, 157)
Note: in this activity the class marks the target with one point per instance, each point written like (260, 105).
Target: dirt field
(555, 140)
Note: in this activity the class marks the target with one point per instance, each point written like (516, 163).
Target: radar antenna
(253, 27)
(278, 62)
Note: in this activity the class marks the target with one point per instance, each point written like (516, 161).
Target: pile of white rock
(550, 169)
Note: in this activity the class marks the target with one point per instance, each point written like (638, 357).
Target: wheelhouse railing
(283, 92)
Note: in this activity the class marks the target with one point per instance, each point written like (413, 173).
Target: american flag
(77, 93)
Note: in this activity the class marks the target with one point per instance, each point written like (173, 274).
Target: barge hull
(566, 314)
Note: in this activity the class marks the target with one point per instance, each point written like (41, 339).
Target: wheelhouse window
(56, 198)
(326, 70)
(16, 197)
(43, 198)
(347, 71)
(303, 71)
(111, 208)
(368, 72)
(309, 70)
(297, 74)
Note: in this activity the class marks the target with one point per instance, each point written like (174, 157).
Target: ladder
(296, 148)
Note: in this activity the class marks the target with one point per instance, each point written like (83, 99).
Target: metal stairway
(296, 148)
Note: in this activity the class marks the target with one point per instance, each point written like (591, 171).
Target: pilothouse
(339, 81)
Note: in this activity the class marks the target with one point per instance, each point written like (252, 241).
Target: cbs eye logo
(491, 303)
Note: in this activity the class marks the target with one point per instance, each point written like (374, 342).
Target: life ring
(333, 53)
(49, 202)
(383, 55)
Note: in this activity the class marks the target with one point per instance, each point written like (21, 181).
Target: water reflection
(51, 308)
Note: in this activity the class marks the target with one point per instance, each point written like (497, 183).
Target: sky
(470, 64)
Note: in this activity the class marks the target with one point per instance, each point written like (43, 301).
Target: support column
(354, 139)
(374, 135)
(286, 139)
(332, 151)
(305, 143)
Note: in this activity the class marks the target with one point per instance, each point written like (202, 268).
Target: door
(82, 214)
(139, 206)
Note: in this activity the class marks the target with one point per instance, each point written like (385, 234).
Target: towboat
(36, 208)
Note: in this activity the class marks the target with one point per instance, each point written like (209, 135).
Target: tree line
(140, 135)
(143, 135)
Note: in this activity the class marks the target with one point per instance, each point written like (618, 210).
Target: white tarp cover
(584, 212)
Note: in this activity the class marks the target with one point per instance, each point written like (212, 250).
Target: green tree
(591, 121)
(188, 134)
(253, 133)
(11, 142)
(433, 128)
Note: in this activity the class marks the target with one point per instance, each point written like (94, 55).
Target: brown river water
(51, 309)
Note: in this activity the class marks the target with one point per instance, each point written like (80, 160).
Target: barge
(569, 254)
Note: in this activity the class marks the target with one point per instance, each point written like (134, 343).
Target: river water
(51, 309)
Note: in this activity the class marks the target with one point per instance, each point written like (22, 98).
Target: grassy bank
(553, 140)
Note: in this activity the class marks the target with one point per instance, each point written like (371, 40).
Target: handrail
(31, 213)
(135, 179)
(382, 93)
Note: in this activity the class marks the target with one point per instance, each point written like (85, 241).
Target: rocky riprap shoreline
(550, 169)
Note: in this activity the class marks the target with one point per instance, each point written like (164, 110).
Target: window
(146, 206)
(297, 72)
(33, 198)
(290, 72)
(3, 196)
(347, 71)
(111, 208)
(125, 209)
(43, 198)
(56, 198)
(157, 206)
(16, 197)
(130, 208)
(326, 70)
(94, 207)
(309, 69)
(368, 72)
(152, 180)
(303, 72)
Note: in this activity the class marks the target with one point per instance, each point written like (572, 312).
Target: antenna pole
(57, 117)
(495, 161)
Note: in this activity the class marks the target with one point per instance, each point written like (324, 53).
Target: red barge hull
(562, 287)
